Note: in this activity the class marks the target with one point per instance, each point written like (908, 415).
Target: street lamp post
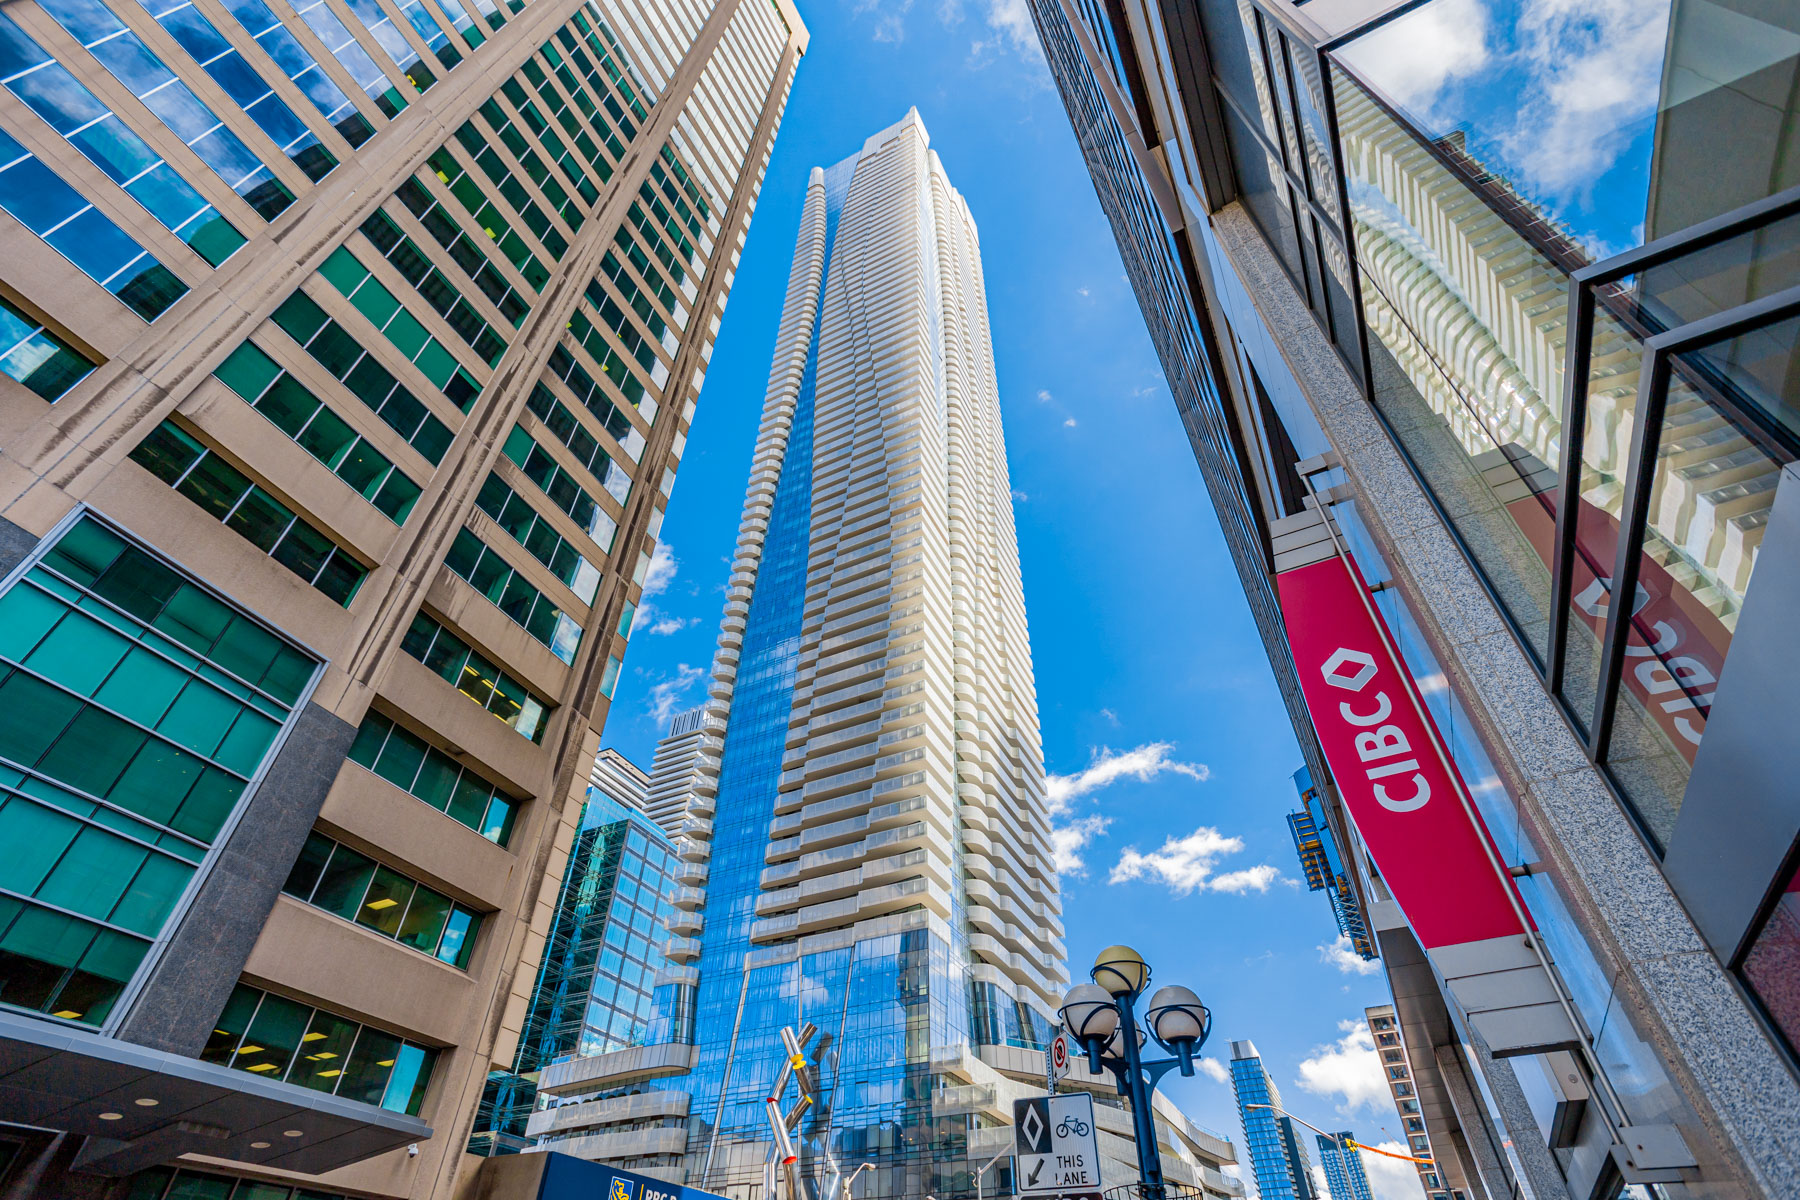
(984, 1168)
(1099, 1017)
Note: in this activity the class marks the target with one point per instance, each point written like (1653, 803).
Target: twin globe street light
(1099, 1017)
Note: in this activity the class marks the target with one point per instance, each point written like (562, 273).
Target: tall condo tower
(879, 863)
(1344, 1174)
(349, 354)
(1277, 1154)
(684, 775)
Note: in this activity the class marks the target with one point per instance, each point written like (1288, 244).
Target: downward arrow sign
(1031, 1180)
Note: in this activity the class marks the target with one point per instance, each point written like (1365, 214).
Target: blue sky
(1160, 716)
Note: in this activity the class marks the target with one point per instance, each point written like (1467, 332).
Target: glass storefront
(1486, 211)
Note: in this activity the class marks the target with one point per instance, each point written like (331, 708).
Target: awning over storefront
(139, 1107)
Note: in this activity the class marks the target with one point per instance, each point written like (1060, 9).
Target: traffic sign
(1057, 1056)
(1055, 1144)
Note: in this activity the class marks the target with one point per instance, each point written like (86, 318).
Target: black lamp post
(1099, 1017)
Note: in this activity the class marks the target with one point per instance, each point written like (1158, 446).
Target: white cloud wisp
(1143, 764)
(1185, 865)
(1343, 956)
(1348, 1070)
(667, 696)
(1068, 841)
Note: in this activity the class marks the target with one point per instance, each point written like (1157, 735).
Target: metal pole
(983, 1170)
(1149, 1160)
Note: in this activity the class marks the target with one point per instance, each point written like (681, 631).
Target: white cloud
(1067, 842)
(1081, 291)
(1250, 879)
(663, 626)
(1413, 59)
(1185, 865)
(1347, 1069)
(668, 695)
(1043, 395)
(890, 18)
(663, 565)
(1006, 26)
(1020, 496)
(1213, 1069)
(1592, 70)
(1143, 764)
(1343, 956)
(1009, 29)
(1069, 423)
(1111, 717)
(1391, 1179)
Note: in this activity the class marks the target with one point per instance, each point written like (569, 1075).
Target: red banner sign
(1430, 853)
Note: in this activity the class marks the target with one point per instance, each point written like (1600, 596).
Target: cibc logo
(1352, 670)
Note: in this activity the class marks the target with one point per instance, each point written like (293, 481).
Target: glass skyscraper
(1344, 1174)
(594, 989)
(877, 862)
(1278, 1157)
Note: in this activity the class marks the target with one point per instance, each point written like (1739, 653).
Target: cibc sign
(1431, 852)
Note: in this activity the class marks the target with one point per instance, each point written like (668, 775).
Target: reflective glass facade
(1493, 278)
(849, 881)
(749, 768)
(1344, 1175)
(593, 993)
(1280, 1173)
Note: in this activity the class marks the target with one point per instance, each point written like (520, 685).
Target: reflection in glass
(1772, 968)
(1467, 328)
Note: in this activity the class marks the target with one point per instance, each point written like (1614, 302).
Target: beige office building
(349, 348)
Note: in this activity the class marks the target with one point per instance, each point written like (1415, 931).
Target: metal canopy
(139, 1107)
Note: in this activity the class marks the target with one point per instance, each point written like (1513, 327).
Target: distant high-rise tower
(1442, 1178)
(593, 990)
(1278, 1156)
(619, 779)
(1344, 1174)
(880, 862)
(684, 775)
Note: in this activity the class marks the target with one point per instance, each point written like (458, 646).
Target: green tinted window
(283, 1039)
(535, 532)
(434, 287)
(319, 431)
(37, 358)
(227, 494)
(385, 311)
(489, 573)
(135, 706)
(301, 318)
(471, 257)
(433, 776)
(451, 658)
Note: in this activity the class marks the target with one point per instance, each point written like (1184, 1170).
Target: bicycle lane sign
(1053, 1137)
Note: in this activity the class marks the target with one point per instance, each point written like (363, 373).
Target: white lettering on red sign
(1379, 742)
(1384, 742)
